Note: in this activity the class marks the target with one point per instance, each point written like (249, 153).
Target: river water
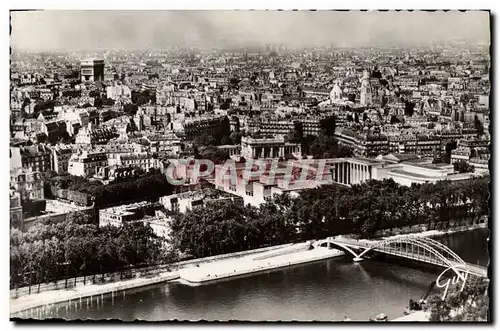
(321, 291)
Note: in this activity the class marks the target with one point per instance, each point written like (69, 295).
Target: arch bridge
(411, 247)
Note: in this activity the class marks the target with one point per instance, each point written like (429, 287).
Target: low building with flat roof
(117, 216)
(409, 172)
(185, 201)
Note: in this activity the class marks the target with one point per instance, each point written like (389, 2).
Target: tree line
(225, 227)
(76, 247)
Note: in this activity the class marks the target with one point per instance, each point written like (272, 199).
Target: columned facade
(267, 148)
(351, 171)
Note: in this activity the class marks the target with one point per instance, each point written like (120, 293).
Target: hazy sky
(51, 30)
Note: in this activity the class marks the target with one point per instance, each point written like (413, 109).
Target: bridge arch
(445, 250)
(419, 244)
(334, 243)
(433, 251)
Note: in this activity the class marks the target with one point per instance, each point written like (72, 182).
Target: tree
(376, 73)
(236, 138)
(97, 102)
(40, 254)
(204, 140)
(226, 140)
(216, 155)
(296, 135)
(142, 98)
(463, 166)
(328, 126)
(217, 228)
(43, 105)
(439, 310)
(409, 108)
(479, 126)
(130, 109)
(272, 225)
(108, 102)
(94, 94)
(327, 147)
(234, 82)
(469, 304)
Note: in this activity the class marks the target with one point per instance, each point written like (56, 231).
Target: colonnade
(273, 151)
(351, 173)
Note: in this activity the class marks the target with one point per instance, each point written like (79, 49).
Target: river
(321, 291)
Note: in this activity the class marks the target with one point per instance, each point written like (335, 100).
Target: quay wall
(136, 272)
(63, 296)
(217, 271)
(56, 293)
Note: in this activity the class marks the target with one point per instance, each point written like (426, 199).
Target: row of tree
(75, 248)
(224, 227)
(374, 205)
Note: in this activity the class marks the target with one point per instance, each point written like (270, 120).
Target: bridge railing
(424, 251)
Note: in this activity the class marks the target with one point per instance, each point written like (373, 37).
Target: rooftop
(429, 166)
(126, 209)
(411, 174)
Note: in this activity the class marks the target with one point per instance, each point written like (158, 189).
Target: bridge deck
(365, 244)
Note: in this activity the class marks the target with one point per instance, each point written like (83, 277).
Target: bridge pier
(357, 259)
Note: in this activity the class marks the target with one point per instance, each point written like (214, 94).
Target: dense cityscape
(133, 165)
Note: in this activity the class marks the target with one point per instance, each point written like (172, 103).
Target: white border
(193, 4)
(255, 4)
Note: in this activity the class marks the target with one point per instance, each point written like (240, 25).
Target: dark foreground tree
(469, 304)
(463, 167)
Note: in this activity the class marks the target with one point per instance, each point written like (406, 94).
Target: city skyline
(89, 30)
(250, 166)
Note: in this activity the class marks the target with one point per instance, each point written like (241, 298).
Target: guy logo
(461, 275)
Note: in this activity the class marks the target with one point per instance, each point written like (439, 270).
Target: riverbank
(256, 263)
(59, 295)
(80, 292)
(416, 316)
